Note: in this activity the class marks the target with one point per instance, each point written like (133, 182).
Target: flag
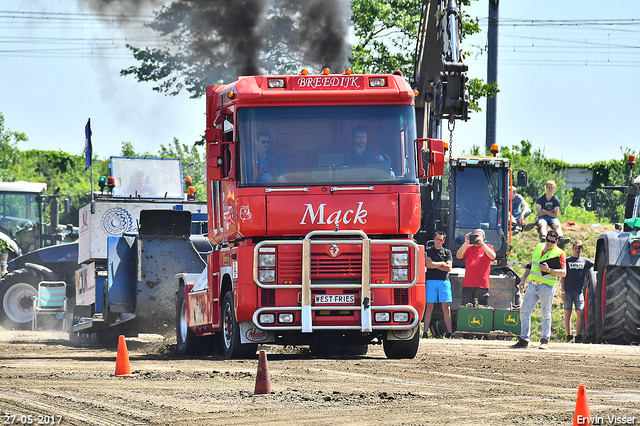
(88, 150)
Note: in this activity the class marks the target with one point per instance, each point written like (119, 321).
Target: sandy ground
(450, 382)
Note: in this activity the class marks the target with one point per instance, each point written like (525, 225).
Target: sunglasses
(439, 239)
(551, 241)
(265, 141)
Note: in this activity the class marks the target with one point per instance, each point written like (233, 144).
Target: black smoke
(209, 41)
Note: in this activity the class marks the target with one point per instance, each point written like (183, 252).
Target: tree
(9, 152)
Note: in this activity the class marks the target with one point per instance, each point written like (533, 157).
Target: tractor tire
(402, 349)
(17, 292)
(589, 334)
(622, 306)
(231, 343)
(617, 303)
(187, 342)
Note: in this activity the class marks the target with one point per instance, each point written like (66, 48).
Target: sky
(567, 73)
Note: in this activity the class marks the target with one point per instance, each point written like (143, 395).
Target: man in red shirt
(478, 256)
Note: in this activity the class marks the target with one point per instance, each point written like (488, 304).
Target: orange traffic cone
(123, 369)
(582, 408)
(263, 380)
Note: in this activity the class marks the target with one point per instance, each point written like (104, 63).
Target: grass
(523, 245)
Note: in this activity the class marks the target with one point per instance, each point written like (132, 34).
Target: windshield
(326, 145)
(478, 203)
(17, 211)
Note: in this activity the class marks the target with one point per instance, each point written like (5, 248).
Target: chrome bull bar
(365, 286)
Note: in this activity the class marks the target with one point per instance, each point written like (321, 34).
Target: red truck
(314, 199)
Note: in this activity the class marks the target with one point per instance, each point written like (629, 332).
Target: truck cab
(314, 200)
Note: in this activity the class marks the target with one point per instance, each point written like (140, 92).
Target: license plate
(335, 298)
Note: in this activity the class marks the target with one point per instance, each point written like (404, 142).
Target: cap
(479, 230)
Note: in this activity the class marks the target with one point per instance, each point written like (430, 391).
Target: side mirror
(214, 158)
(590, 201)
(522, 178)
(430, 157)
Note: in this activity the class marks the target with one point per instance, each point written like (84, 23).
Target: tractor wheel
(17, 292)
(589, 334)
(402, 349)
(622, 305)
(231, 343)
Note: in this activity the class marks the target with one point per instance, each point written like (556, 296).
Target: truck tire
(188, 342)
(231, 346)
(17, 290)
(402, 349)
(617, 306)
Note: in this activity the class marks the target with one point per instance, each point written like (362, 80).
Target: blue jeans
(543, 293)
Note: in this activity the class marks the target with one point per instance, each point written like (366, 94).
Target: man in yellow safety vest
(547, 264)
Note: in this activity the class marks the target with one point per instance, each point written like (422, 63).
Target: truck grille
(323, 266)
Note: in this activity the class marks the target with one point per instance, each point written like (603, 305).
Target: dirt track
(456, 382)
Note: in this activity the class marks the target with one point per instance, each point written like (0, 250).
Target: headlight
(267, 318)
(267, 275)
(400, 259)
(267, 261)
(382, 317)
(400, 275)
(401, 317)
(285, 318)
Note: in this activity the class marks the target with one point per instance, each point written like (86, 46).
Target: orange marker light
(495, 149)
(304, 72)
(348, 71)
(631, 159)
(326, 71)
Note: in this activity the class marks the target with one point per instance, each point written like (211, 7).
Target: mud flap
(403, 334)
(249, 333)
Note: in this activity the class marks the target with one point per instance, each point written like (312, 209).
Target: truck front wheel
(402, 349)
(231, 345)
(17, 292)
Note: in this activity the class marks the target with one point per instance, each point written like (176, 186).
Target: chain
(451, 125)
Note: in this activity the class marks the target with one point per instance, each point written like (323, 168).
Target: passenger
(571, 287)
(547, 264)
(268, 165)
(478, 257)
(438, 287)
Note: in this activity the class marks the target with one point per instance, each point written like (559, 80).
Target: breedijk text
(350, 216)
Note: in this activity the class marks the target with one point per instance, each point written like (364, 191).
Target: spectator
(478, 257)
(571, 286)
(268, 166)
(547, 264)
(548, 207)
(520, 209)
(438, 287)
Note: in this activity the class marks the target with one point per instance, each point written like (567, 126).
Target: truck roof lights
(348, 71)
(304, 71)
(378, 82)
(275, 83)
(326, 71)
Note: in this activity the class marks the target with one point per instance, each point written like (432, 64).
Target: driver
(359, 151)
